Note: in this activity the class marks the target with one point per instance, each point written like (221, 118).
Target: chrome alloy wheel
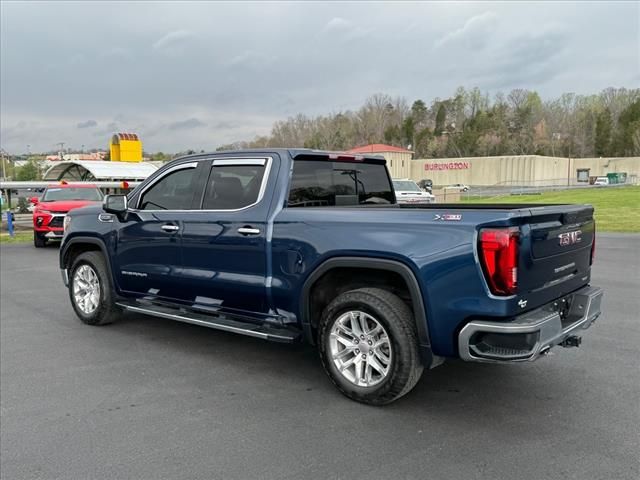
(86, 289)
(360, 348)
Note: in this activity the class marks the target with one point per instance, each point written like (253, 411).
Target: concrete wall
(398, 163)
(520, 170)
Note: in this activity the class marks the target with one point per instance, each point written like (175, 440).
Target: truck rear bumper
(532, 334)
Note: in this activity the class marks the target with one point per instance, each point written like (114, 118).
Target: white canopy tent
(93, 170)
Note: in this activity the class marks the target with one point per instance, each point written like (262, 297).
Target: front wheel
(369, 347)
(39, 240)
(90, 290)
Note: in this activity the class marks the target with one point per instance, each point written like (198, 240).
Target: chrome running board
(180, 314)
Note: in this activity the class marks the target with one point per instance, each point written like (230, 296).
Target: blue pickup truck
(303, 245)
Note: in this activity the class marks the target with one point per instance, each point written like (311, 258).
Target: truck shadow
(456, 389)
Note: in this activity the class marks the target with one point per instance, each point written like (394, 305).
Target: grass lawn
(20, 237)
(617, 209)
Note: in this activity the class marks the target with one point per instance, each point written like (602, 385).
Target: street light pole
(4, 171)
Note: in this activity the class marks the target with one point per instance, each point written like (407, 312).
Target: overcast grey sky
(197, 75)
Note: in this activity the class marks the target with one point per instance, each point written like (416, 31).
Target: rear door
(148, 252)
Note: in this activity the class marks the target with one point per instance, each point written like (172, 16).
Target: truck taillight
(498, 251)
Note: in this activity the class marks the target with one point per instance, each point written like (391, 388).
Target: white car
(601, 181)
(460, 186)
(408, 192)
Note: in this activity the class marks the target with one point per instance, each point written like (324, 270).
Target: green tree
(29, 171)
(627, 131)
(441, 118)
(419, 112)
(604, 126)
(160, 157)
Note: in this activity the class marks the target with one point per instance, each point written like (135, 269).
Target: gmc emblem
(570, 238)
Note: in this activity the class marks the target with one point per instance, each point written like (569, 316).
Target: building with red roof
(398, 159)
(379, 148)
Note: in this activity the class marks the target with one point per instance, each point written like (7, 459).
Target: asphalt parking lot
(150, 399)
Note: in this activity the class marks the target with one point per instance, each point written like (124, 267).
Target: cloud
(108, 130)
(189, 124)
(251, 60)
(526, 60)
(87, 124)
(226, 125)
(344, 29)
(174, 67)
(173, 40)
(475, 29)
(337, 24)
(118, 53)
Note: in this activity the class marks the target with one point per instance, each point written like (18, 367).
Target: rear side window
(231, 187)
(174, 191)
(321, 183)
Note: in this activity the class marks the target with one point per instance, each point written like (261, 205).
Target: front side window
(231, 187)
(317, 183)
(174, 191)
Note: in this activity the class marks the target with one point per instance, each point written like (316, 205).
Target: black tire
(39, 240)
(396, 318)
(107, 311)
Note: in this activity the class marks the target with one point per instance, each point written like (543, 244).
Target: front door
(148, 251)
(224, 243)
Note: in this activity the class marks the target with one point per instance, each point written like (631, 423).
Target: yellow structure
(125, 147)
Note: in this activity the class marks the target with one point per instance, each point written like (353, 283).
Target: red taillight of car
(498, 249)
(593, 245)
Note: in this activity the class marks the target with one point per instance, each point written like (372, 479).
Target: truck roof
(296, 154)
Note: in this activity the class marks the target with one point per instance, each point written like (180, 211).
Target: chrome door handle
(248, 231)
(170, 228)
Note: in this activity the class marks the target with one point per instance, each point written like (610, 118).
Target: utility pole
(4, 171)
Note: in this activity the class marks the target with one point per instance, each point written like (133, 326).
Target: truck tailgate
(556, 247)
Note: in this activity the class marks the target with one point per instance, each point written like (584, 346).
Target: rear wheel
(90, 290)
(369, 347)
(39, 240)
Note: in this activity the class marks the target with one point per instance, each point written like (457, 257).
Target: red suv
(52, 207)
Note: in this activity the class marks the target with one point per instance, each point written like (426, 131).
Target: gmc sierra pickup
(303, 245)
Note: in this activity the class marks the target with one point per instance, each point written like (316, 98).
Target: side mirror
(115, 204)
(34, 200)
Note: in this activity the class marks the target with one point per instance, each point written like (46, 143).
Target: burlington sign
(447, 166)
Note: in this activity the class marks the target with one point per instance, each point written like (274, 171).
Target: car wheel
(39, 240)
(90, 290)
(369, 347)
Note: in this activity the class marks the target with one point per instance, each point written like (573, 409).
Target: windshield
(71, 193)
(405, 186)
